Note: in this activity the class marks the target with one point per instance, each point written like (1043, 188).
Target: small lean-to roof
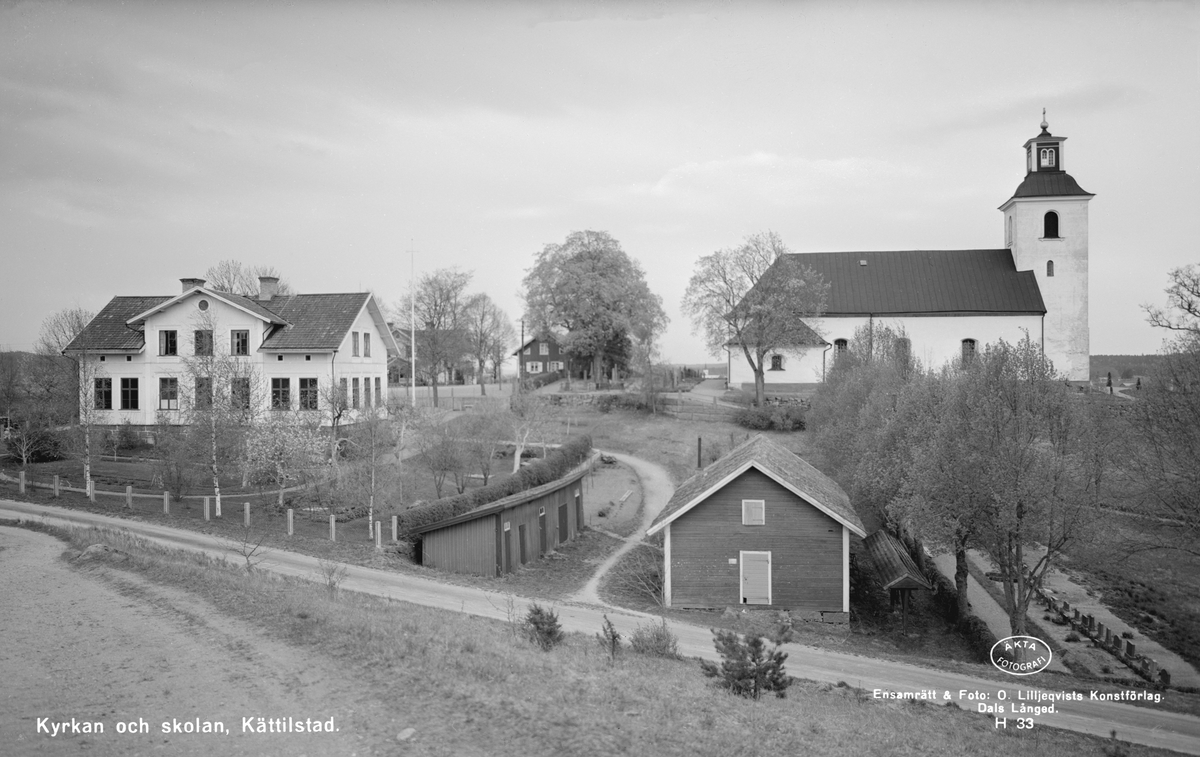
(778, 463)
(1050, 184)
(920, 282)
(110, 331)
(896, 569)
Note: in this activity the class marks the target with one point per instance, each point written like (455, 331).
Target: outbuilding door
(564, 529)
(756, 578)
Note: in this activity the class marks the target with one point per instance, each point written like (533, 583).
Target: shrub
(1072, 636)
(556, 465)
(656, 640)
(788, 418)
(1127, 634)
(609, 639)
(747, 668)
(541, 626)
(754, 418)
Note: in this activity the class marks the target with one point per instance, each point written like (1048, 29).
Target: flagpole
(412, 328)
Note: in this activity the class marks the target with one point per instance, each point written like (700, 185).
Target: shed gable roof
(778, 463)
(907, 282)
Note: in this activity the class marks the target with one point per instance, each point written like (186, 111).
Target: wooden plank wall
(805, 546)
(465, 548)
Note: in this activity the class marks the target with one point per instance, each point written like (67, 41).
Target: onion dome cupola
(1044, 172)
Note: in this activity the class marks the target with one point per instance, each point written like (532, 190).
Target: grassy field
(470, 686)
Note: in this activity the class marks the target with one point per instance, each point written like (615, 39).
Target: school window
(103, 394)
(543, 349)
(129, 394)
(168, 393)
(308, 394)
(366, 393)
(777, 362)
(354, 344)
(204, 392)
(239, 342)
(202, 343)
(1049, 268)
(1050, 225)
(168, 342)
(343, 393)
(354, 394)
(754, 512)
(366, 345)
(968, 351)
(378, 391)
(239, 392)
(281, 394)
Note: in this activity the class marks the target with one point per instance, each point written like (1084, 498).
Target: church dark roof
(1050, 184)
(930, 282)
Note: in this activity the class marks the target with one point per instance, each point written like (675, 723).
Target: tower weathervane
(1044, 124)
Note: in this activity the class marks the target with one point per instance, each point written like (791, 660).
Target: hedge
(555, 465)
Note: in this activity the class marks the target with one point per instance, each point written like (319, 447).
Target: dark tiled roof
(253, 306)
(896, 569)
(920, 281)
(315, 321)
(1049, 184)
(783, 464)
(107, 331)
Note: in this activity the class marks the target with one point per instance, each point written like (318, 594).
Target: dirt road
(1143, 725)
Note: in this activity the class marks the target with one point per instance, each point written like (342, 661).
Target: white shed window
(754, 512)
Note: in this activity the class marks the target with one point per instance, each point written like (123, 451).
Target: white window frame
(746, 512)
(543, 348)
(533, 367)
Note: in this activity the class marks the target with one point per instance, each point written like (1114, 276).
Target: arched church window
(777, 362)
(968, 351)
(1049, 268)
(1047, 157)
(840, 346)
(1050, 226)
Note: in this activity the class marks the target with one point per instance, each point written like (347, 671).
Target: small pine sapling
(747, 668)
(542, 627)
(609, 639)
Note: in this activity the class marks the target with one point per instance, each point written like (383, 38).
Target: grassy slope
(470, 686)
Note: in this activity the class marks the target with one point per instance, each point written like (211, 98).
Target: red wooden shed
(759, 527)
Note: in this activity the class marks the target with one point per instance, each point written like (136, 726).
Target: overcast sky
(143, 142)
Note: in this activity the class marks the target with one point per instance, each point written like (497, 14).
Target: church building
(951, 303)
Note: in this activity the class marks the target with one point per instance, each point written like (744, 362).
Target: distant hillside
(1122, 366)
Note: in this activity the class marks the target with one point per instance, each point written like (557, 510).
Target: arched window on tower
(968, 351)
(1049, 268)
(1050, 226)
(1047, 157)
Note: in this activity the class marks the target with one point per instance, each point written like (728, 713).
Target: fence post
(332, 527)
(129, 497)
(378, 535)
(395, 527)
(56, 490)
(21, 483)
(206, 512)
(166, 502)
(246, 514)
(290, 521)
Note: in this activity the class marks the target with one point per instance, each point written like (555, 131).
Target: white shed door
(756, 578)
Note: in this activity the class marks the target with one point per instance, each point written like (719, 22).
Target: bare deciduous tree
(753, 299)
(436, 311)
(488, 333)
(238, 278)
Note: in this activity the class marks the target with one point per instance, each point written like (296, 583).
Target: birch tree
(754, 300)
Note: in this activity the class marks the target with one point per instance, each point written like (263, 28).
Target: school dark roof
(109, 331)
(774, 460)
(1050, 184)
(909, 282)
(317, 322)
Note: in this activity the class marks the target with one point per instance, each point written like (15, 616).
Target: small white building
(150, 360)
(950, 303)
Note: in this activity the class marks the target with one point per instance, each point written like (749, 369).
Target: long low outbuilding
(500, 537)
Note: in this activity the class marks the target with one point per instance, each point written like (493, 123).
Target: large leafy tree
(590, 290)
(751, 299)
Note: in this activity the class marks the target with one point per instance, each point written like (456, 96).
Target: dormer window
(1050, 226)
(1046, 157)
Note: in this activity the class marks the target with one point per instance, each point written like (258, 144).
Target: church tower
(1046, 228)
